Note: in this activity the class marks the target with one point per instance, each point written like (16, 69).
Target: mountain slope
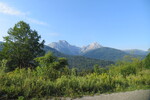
(91, 46)
(105, 53)
(136, 52)
(54, 51)
(95, 50)
(64, 47)
(79, 62)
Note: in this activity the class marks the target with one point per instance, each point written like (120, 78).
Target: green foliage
(105, 53)
(46, 82)
(96, 68)
(53, 78)
(21, 46)
(127, 70)
(74, 71)
(99, 70)
(147, 61)
(3, 64)
(86, 63)
(46, 60)
(49, 60)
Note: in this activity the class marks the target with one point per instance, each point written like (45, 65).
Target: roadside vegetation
(25, 76)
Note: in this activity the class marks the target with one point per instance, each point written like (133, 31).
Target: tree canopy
(21, 46)
(49, 60)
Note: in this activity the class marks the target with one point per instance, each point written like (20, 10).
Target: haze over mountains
(94, 50)
(136, 52)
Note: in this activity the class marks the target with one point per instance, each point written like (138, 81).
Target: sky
(121, 24)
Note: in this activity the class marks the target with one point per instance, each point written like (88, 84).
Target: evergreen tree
(21, 46)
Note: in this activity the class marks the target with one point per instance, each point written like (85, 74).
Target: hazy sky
(122, 24)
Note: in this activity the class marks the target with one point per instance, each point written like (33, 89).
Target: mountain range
(96, 51)
(136, 52)
(66, 48)
(87, 56)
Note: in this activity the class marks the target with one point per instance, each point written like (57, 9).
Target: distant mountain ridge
(105, 53)
(66, 48)
(91, 46)
(79, 62)
(95, 51)
(136, 52)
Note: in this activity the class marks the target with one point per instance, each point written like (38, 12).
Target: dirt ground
(132, 95)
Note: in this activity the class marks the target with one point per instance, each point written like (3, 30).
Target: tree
(96, 68)
(21, 46)
(49, 60)
(50, 66)
(74, 71)
(147, 61)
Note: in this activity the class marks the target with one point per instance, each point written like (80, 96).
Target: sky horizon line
(95, 42)
(119, 24)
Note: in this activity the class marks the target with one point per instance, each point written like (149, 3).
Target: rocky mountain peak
(95, 45)
(91, 46)
(63, 41)
(64, 47)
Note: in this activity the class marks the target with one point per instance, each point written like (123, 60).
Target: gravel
(131, 95)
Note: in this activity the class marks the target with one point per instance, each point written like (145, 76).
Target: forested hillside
(105, 53)
(109, 54)
(79, 62)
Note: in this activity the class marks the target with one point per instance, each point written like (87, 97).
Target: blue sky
(122, 24)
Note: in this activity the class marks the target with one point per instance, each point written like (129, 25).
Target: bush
(147, 61)
(46, 82)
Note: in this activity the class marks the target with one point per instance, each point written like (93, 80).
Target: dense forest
(79, 62)
(27, 72)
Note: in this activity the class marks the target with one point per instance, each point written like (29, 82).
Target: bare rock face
(91, 46)
(64, 47)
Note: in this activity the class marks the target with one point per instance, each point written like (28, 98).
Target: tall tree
(21, 46)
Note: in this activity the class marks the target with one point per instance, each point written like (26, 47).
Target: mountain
(136, 52)
(79, 62)
(92, 46)
(105, 53)
(64, 47)
(54, 51)
(95, 50)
